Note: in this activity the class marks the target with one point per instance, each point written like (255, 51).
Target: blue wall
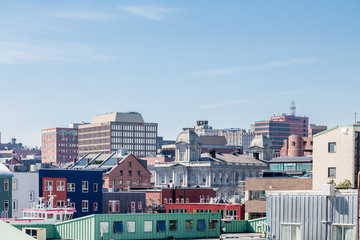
(77, 176)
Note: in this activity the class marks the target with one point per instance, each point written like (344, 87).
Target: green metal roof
(9, 232)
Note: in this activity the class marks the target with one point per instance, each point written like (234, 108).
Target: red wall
(60, 195)
(212, 206)
(193, 194)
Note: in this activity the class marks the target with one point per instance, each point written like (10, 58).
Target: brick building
(120, 173)
(59, 145)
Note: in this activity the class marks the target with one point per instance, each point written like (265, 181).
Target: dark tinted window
(161, 227)
(118, 227)
(201, 225)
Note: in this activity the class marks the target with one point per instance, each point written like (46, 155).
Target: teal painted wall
(240, 226)
(5, 195)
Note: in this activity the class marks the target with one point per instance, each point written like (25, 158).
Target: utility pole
(355, 117)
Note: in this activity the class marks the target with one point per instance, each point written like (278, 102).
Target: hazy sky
(175, 62)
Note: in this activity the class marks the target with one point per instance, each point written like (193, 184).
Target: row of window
(114, 206)
(161, 226)
(133, 128)
(60, 186)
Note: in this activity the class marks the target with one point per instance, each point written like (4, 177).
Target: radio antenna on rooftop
(292, 108)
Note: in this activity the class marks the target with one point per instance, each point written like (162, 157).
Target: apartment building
(111, 132)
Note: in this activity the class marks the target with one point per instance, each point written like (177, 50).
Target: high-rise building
(279, 128)
(112, 132)
(59, 145)
(238, 137)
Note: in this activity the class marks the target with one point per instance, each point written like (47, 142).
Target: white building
(238, 137)
(336, 155)
(25, 191)
(226, 172)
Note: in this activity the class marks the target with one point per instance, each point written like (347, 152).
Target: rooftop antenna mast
(292, 108)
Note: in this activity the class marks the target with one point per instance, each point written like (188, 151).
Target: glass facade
(290, 167)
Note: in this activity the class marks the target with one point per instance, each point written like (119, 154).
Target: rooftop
(130, 117)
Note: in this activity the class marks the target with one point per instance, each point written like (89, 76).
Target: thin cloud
(221, 104)
(299, 91)
(92, 16)
(153, 13)
(264, 66)
(15, 53)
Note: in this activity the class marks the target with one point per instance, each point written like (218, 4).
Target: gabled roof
(9, 232)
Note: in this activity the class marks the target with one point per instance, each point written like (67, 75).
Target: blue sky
(175, 62)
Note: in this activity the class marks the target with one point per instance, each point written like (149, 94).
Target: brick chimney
(117, 161)
(87, 161)
(74, 160)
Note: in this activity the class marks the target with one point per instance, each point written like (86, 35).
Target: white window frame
(85, 209)
(343, 226)
(85, 186)
(71, 187)
(291, 229)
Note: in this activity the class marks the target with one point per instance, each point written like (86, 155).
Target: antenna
(355, 117)
(292, 108)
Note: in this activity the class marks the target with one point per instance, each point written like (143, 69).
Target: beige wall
(342, 159)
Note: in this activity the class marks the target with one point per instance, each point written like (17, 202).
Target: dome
(261, 141)
(188, 136)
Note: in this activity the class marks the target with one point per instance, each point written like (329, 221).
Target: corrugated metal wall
(88, 228)
(315, 213)
(241, 226)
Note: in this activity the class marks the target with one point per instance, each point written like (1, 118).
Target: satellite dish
(345, 131)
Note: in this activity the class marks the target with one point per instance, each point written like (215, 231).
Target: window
(118, 227)
(161, 226)
(104, 227)
(201, 225)
(173, 225)
(332, 147)
(130, 173)
(130, 226)
(85, 205)
(140, 205)
(71, 187)
(129, 164)
(121, 172)
(138, 173)
(48, 185)
(165, 200)
(138, 183)
(95, 189)
(60, 186)
(148, 225)
(15, 184)
(189, 224)
(114, 206)
(14, 205)
(60, 203)
(95, 206)
(290, 231)
(343, 232)
(331, 172)
(212, 224)
(32, 232)
(85, 186)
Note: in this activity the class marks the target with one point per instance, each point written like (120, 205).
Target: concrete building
(257, 189)
(59, 145)
(279, 128)
(111, 132)
(191, 169)
(202, 128)
(25, 192)
(336, 155)
(315, 129)
(238, 137)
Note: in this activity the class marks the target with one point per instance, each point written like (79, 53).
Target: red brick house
(120, 173)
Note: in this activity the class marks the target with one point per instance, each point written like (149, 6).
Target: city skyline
(176, 62)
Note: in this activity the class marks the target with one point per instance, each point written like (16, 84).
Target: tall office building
(59, 145)
(279, 128)
(112, 132)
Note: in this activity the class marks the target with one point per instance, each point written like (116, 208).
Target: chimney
(74, 160)
(117, 161)
(87, 161)
(213, 153)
